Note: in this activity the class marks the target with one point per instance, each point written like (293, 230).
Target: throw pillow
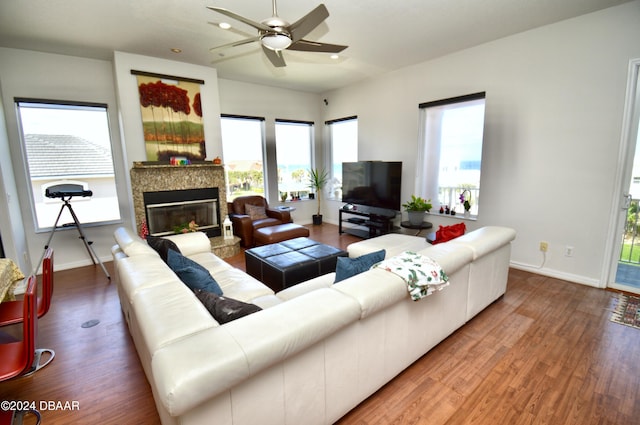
(225, 309)
(255, 212)
(191, 273)
(446, 233)
(162, 245)
(347, 267)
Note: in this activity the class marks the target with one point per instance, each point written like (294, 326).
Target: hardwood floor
(545, 353)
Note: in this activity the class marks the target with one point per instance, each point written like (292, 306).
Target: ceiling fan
(276, 34)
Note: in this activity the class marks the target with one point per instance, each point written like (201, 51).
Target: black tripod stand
(65, 193)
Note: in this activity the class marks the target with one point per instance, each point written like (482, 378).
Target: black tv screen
(372, 183)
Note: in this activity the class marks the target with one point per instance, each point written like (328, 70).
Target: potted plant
(317, 179)
(416, 208)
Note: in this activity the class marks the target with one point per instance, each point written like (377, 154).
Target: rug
(627, 311)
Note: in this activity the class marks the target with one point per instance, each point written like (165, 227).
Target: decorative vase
(416, 217)
(467, 214)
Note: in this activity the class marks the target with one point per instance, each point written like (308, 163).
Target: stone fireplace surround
(152, 177)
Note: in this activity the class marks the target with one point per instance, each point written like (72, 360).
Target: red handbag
(446, 233)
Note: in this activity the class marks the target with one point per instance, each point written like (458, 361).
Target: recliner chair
(248, 213)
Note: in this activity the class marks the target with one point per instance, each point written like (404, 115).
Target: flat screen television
(372, 184)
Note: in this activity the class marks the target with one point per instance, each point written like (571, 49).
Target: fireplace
(168, 211)
(177, 187)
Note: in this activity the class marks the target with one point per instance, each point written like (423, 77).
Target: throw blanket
(423, 275)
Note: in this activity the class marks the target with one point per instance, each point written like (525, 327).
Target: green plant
(318, 178)
(186, 227)
(417, 204)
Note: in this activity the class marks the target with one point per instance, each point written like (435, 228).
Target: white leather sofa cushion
(169, 312)
(141, 272)
(210, 262)
(486, 239)
(240, 286)
(393, 243)
(450, 257)
(324, 281)
(374, 290)
(192, 371)
(191, 243)
(132, 244)
(266, 301)
(204, 364)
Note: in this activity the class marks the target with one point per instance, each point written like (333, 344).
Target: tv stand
(365, 222)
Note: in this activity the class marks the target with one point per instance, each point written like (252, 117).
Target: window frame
(311, 128)
(21, 103)
(261, 121)
(335, 182)
(428, 169)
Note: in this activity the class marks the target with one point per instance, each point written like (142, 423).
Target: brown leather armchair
(247, 215)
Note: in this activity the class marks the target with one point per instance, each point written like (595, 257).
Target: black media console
(366, 222)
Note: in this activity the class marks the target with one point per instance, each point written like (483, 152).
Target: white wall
(554, 103)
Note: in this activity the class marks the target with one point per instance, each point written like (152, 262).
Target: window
(68, 143)
(242, 147)
(450, 155)
(293, 155)
(343, 134)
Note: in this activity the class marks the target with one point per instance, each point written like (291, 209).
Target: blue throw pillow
(191, 273)
(347, 267)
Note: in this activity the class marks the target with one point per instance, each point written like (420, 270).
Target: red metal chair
(16, 417)
(21, 357)
(11, 311)
(18, 357)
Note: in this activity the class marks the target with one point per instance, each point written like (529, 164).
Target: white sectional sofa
(316, 350)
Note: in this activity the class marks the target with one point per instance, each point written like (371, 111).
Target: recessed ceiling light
(334, 56)
(176, 50)
(224, 25)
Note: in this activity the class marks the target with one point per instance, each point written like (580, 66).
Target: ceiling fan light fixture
(276, 41)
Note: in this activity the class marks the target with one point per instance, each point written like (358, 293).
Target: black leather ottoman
(287, 263)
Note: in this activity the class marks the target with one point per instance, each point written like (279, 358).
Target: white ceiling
(382, 35)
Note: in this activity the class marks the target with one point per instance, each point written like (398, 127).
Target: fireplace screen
(170, 212)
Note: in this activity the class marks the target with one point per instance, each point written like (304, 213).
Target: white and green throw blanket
(423, 275)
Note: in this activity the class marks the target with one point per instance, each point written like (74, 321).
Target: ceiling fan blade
(235, 43)
(308, 23)
(256, 25)
(275, 56)
(313, 46)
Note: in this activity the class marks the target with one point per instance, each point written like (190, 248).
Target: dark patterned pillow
(255, 212)
(162, 245)
(225, 309)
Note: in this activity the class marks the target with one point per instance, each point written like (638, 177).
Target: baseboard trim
(583, 280)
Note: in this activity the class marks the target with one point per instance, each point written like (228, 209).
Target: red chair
(16, 417)
(17, 357)
(11, 311)
(21, 357)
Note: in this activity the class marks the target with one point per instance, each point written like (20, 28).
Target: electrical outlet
(568, 251)
(544, 246)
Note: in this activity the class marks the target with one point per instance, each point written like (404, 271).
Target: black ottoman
(287, 263)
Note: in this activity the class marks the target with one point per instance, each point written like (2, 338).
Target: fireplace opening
(169, 211)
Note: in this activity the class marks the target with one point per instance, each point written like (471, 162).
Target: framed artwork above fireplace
(172, 119)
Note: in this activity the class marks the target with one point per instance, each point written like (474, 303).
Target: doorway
(625, 264)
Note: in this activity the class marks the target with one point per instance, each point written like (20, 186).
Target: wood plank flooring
(545, 353)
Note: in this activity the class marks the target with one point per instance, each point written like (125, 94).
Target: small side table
(419, 227)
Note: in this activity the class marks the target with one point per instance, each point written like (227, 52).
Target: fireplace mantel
(151, 177)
